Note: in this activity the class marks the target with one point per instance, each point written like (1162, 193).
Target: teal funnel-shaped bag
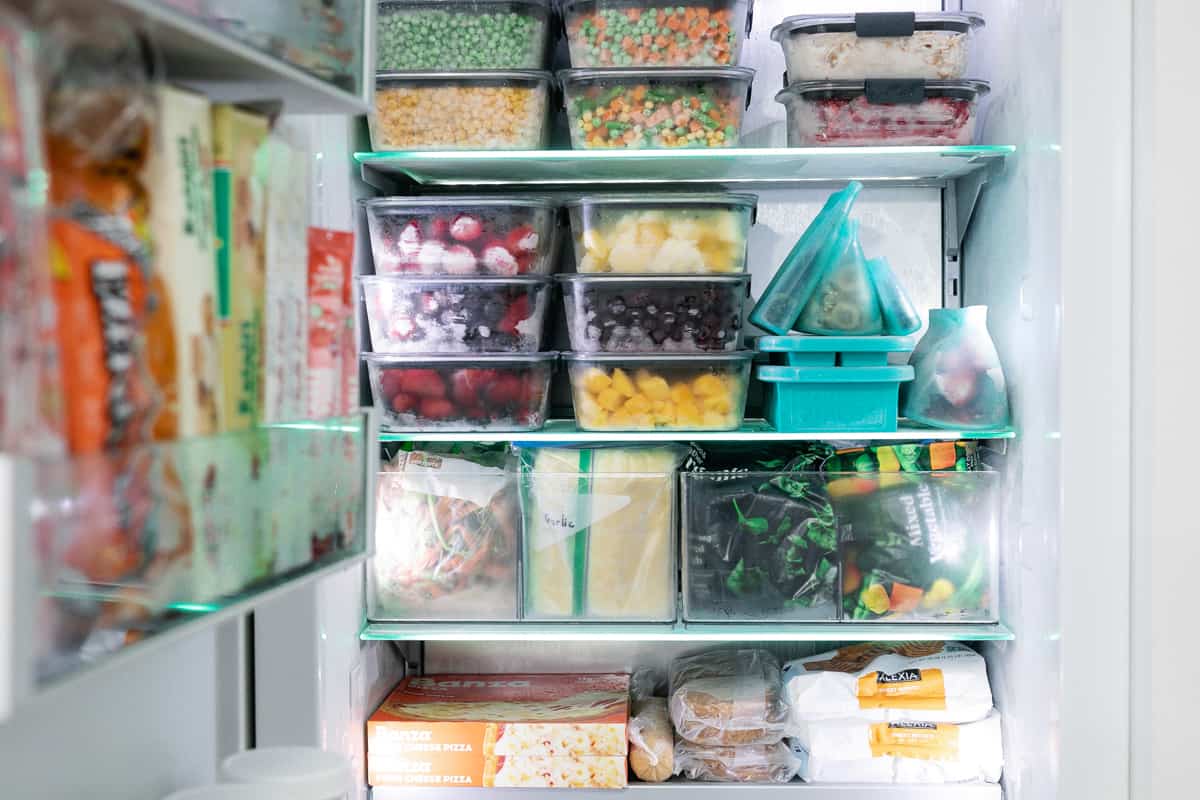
(826, 285)
(958, 382)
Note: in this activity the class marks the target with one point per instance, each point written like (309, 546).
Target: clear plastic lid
(743, 199)
(654, 279)
(658, 358)
(385, 359)
(957, 22)
(450, 201)
(466, 76)
(435, 3)
(824, 90)
(568, 76)
(568, 6)
(468, 280)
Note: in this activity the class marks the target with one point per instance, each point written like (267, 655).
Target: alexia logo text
(903, 676)
(913, 726)
(430, 683)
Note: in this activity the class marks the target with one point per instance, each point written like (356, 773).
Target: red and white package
(330, 254)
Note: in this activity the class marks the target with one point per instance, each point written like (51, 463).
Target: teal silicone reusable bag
(844, 302)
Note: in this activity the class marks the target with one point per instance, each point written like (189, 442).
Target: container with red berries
(882, 112)
(463, 235)
(452, 314)
(442, 392)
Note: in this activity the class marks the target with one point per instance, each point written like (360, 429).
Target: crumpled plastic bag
(728, 698)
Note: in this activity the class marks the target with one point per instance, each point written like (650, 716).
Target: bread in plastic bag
(762, 763)
(858, 751)
(727, 698)
(889, 681)
(651, 741)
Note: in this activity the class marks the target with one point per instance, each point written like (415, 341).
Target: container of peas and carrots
(635, 33)
(656, 108)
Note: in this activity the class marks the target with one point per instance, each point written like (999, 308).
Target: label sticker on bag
(927, 741)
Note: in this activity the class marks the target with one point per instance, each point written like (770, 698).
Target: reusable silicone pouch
(780, 305)
(900, 317)
(844, 302)
(959, 381)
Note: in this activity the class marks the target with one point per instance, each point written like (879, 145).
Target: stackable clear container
(461, 34)
(430, 314)
(865, 113)
(499, 110)
(680, 233)
(678, 314)
(659, 392)
(467, 235)
(758, 546)
(447, 541)
(861, 46)
(656, 108)
(446, 392)
(599, 536)
(636, 33)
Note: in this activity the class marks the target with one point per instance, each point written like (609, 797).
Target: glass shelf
(576, 631)
(715, 791)
(888, 165)
(242, 59)
(565, 430)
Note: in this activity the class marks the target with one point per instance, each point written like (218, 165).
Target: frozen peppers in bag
(916, 544)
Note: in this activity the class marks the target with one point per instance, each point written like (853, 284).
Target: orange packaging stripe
(923, 689)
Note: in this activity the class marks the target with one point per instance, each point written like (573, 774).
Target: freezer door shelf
(717, 791)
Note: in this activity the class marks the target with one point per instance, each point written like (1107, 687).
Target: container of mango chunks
(628, 392)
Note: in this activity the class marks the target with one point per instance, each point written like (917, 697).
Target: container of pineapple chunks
(657, 234)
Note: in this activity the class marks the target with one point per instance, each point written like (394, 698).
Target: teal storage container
(833, 351)
(820, 399)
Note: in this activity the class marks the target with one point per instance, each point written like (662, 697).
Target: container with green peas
(462, 34)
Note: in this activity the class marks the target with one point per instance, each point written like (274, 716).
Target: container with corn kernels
(461, 110)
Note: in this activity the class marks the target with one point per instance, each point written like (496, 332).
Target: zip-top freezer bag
(760, 763)
(857, 751)
(725, 698)
(889, 682)
(599, 533)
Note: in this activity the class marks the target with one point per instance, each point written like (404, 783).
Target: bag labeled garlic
(890, 682)
(857, 751)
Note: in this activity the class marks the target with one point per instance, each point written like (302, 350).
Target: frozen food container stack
(456, 311)
(852, 312)
(462, 75)
(880, 79)
(655, 311)
(655, 75)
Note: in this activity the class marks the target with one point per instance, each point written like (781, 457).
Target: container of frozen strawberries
(468, 235)
(451, 392)
(451, 314)
(882, 112)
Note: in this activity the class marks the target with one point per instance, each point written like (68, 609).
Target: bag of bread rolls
(728, 698)
(651, 740)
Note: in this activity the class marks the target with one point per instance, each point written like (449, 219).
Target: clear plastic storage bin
(864, 113)
(659, 392)
(461, 393)
(447, 539)
(473, 235)
(681, 233)
(759, 546)
(886, 45)
(636, 33)
(462, 35)
(680, 314)
(461, 110)
(664, 108)
(425, 314)
(599, 533)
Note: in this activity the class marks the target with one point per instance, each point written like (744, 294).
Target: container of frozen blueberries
(495, 110)
(685, 392)
(667, 233)
(882, 45)
(448, 392)
(432, 314)
(637, 33)
(463, 235)
(655, 314)
(656, 108)
(882, 112)
(462, 34)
